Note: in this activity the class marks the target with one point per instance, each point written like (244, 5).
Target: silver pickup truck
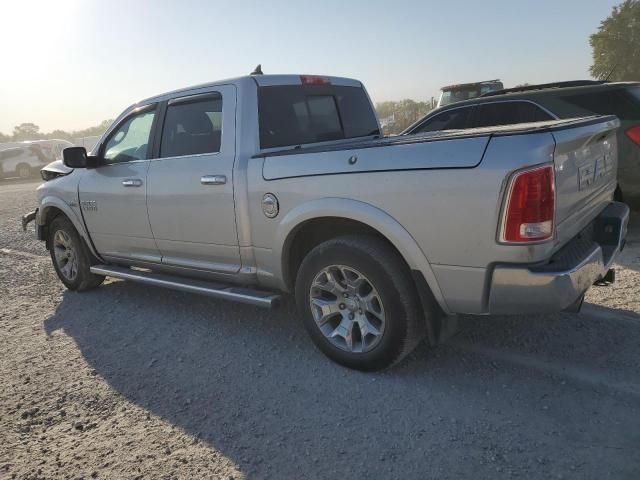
(246, 188)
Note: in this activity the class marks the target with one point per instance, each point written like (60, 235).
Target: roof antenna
(257, 70)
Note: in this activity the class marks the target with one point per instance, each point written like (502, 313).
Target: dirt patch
(128, 381)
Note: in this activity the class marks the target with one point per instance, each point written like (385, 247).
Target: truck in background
(467, 91)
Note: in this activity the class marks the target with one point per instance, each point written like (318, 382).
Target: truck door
(113, 195)
(190, 184)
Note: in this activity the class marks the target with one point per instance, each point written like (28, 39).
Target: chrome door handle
(213, 180)
(132, 182)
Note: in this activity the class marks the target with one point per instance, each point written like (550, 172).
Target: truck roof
(261, 80)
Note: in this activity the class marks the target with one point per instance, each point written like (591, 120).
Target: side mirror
(75, 157)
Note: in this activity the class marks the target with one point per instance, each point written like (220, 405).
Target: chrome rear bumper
(559, 283)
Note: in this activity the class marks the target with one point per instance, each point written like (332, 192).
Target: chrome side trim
(243, 295)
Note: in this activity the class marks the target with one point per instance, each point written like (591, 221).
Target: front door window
(130, 141)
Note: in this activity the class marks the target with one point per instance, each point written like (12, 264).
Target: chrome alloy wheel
(347, 308)
(66, 255)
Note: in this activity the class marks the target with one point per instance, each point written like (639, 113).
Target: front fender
(364, 213)
(72, 212)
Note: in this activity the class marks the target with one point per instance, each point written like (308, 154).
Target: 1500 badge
(89, 205)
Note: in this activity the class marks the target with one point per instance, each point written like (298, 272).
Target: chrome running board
(211, 289)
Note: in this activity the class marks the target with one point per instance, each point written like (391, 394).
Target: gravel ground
(128, 381)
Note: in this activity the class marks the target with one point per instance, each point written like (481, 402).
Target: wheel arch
(50, 208)
(298, 232)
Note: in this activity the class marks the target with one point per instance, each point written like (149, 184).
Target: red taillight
(634, 134)
(530, 207)
(313, 80)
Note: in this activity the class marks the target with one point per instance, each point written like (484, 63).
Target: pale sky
(70, 64)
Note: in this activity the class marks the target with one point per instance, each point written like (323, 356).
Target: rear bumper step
(559, 285)
(211, 289)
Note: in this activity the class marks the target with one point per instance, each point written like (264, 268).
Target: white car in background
(24, 159)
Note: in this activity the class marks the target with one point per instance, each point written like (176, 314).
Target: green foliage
(396, 116)
(26, 131)
(616, 44)
(31, 131)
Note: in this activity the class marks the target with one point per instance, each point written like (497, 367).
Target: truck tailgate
(586, 160)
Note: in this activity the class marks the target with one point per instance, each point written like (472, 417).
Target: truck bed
(517, 129)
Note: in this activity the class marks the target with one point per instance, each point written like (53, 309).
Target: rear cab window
(192, 126)
(291, 115)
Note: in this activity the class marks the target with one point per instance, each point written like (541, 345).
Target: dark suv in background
(535, 103)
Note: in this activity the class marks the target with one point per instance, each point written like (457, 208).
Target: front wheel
(358, 302)
(70, 256)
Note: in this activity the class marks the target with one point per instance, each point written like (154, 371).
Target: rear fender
(364, 213)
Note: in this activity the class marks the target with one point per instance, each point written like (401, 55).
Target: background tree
(58, 134)
(616, 44)
(26, 131)
(31, 131)
(396, 116)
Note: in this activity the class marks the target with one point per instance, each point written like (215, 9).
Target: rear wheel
(358, 302)
(70, 256)
(23, 171)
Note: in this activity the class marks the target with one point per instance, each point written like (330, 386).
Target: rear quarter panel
(452, 214)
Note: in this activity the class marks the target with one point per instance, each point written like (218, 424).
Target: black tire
(385, 270)
(23, 171)
(83, 278)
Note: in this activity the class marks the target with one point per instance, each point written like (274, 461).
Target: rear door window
(456, 118)
(624, 103)
(192, 127)
(509, 113)
(298, 114)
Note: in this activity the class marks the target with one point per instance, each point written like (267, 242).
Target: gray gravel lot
(128, 381)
